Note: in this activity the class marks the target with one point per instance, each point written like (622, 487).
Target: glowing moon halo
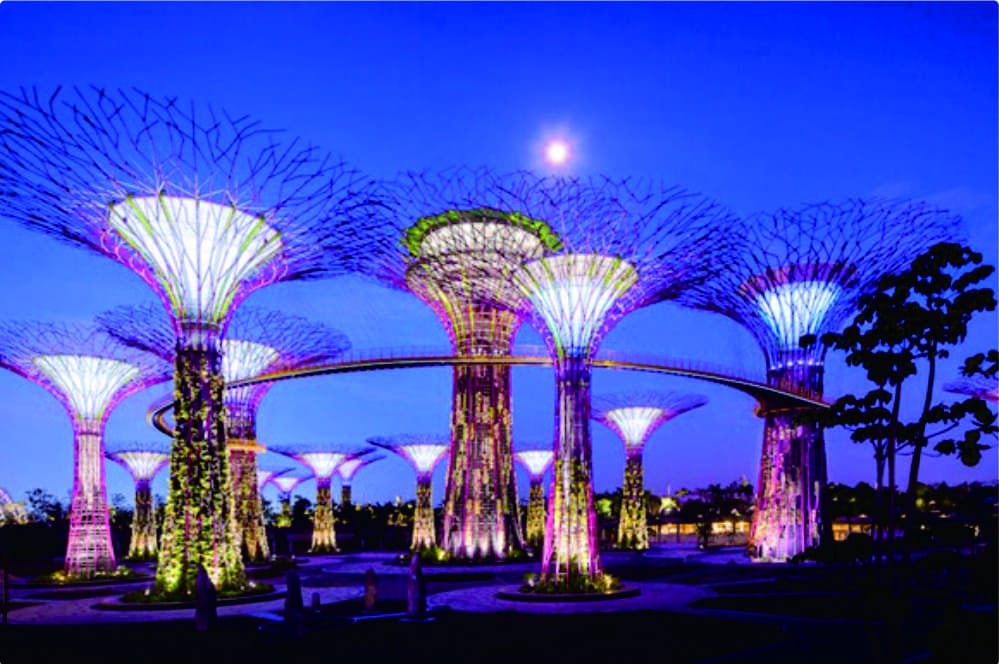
(556, 152)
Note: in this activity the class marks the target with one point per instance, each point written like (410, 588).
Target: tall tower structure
(456, 239)
(143, 463)
(633, 417)
(423, 453)
(89, 374)
(536, 463)
(348, 469)
(206, 208)
(258, 342)
(800, 272)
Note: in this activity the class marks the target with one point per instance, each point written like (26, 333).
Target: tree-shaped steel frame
(258, 341)
(349, 468)
(536, 460)
(800, 272)
(142, 461)
(634, 417)
(89, 374)
(453, 239)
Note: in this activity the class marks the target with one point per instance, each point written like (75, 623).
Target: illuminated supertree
(633, 417)
(257, 342)
(142, 462)
(285, 485)
(625, 246)
(324, 464)
(456, 238)
(348, 469)
(11, 512)
(536, 462)
(205, 208)
(89, 374)
(981, 387)
(423, 452)
(800, 272)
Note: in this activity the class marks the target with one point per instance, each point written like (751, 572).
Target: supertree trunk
(423, 519)
(199, 527)
(284, 515)
(324, 522)
(89, 549)
(345, 495)
(789, 497)
(251, 533)
(571, 549)
(536, 514)
(632, 529)
(143, 544)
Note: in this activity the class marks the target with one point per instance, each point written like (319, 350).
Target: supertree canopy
(455, 239)
(206, 208)
(423, 452)
(625, 246)
(324, 464)
(285, 485)
(142, 462)
(982, 387)
(349, 468)
(634, 417)
(89, 374)
(536, 462)
(801, 272)
(257, 342)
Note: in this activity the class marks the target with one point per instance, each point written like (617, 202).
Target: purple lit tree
(456, 238)
(257, 342)
(633, 417)
(800, 272)
(205, 208)
(423, 452)
(285, 485)
(625, 246)
(348, 469)
(142, 462)
(536, 462)
(89, 374)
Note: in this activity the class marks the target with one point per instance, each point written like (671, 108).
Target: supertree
(11, 512)
(285, 485)
(625, 245)
(423, 452)
(89, 374)
(323, 463)
(142, 462)
(258, 341)
(633, 417)
(536, 462)
(348, 469)
(205, 208)
(982, 387)
(800, 272)
(455, 239)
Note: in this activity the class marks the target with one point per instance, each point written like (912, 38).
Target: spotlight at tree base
(348, 469)
(556, 152)
(626, 245)
(462, 234)
(536, 462)
(258, 341)
(206, 208)
(423, 452)
(634, 417)
(801, 272)
(89, 374)
(142, 462)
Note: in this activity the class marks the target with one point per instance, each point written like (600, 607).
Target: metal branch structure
(536, 462)
(89, 374)
(455, 238)
(801, 272)
(142, 462)
(323, 463)
(348, 469)
(206, 208)
(634, 417)
(623, 245)
(285, 485)
(981, 387)
(258, 341)
(423, 453)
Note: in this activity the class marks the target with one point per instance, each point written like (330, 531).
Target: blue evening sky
(758, 105)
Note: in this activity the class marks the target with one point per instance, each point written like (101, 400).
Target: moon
(557, 153)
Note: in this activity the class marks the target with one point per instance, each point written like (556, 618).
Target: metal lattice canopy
(265, 476)
(204, 206)
(323, 460)
(535, 461)
(634, 416)
(349, 468)
(142, 460)
(801, 271)
(422, 451)
(982, 387)
(86, 370)
(287, 483)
